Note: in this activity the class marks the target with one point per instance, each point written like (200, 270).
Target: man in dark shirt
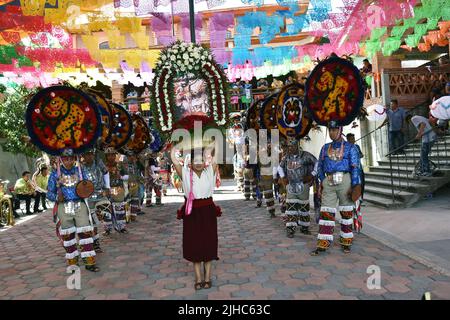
(396, 118)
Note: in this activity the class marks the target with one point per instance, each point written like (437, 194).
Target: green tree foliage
(12, 121)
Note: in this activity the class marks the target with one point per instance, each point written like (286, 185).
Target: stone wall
(12, 166)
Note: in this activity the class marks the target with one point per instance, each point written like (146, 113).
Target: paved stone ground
(257, 262)
(421, 232)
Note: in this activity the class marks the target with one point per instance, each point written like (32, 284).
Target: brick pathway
(257, 262)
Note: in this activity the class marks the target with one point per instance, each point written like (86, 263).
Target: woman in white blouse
(199, 213)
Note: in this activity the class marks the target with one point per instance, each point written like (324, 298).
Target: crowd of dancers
(336, 178)
(122, 186)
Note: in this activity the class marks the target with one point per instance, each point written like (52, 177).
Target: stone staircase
(407, 189)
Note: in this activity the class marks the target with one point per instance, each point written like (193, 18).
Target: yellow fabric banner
(129, 25)
(91, 43)
(115, 39)
(110, 58)
(133, 57)
(151, 56)
(142, 39)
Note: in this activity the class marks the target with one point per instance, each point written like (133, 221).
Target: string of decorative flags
(43, 41)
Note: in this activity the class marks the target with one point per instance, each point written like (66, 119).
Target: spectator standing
(277, 84)
(40, 181)
(366, 70)
(396, 118)
(23, 190)
(262, 84)
(366, 73)
(246, 98)
(429, 137)
(235, 93)
(290, 80)
(436, 91)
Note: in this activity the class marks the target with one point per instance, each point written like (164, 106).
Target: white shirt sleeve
(154, 169)
(275, 172)
(281, 171)
(315, 171)
(106, 180)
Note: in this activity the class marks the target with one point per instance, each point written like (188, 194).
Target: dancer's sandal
(92, 268)
(123, 231)
(198, 286)
(317, 252)
(306, 231)
(346, 249)
(98, 250)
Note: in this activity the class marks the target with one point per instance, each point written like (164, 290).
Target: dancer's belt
(198, 203)
(335, 178)
(116, 190)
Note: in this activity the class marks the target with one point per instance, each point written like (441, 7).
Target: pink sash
(190, 198)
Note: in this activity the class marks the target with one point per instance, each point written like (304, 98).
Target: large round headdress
(63, 121)
(293, 118)
(106, 116)
(334, 92)
(269, 112)
(140, 139)
(252, 119)
(122, 126)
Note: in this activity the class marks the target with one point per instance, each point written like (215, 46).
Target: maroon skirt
(200, 231)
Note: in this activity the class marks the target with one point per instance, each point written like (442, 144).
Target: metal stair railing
(400, 156)
(380, 136)
(382, 133)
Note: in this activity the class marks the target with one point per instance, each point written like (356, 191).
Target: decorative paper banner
(162, 26)
(219, 23)
(243, 72)
(185, 27)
